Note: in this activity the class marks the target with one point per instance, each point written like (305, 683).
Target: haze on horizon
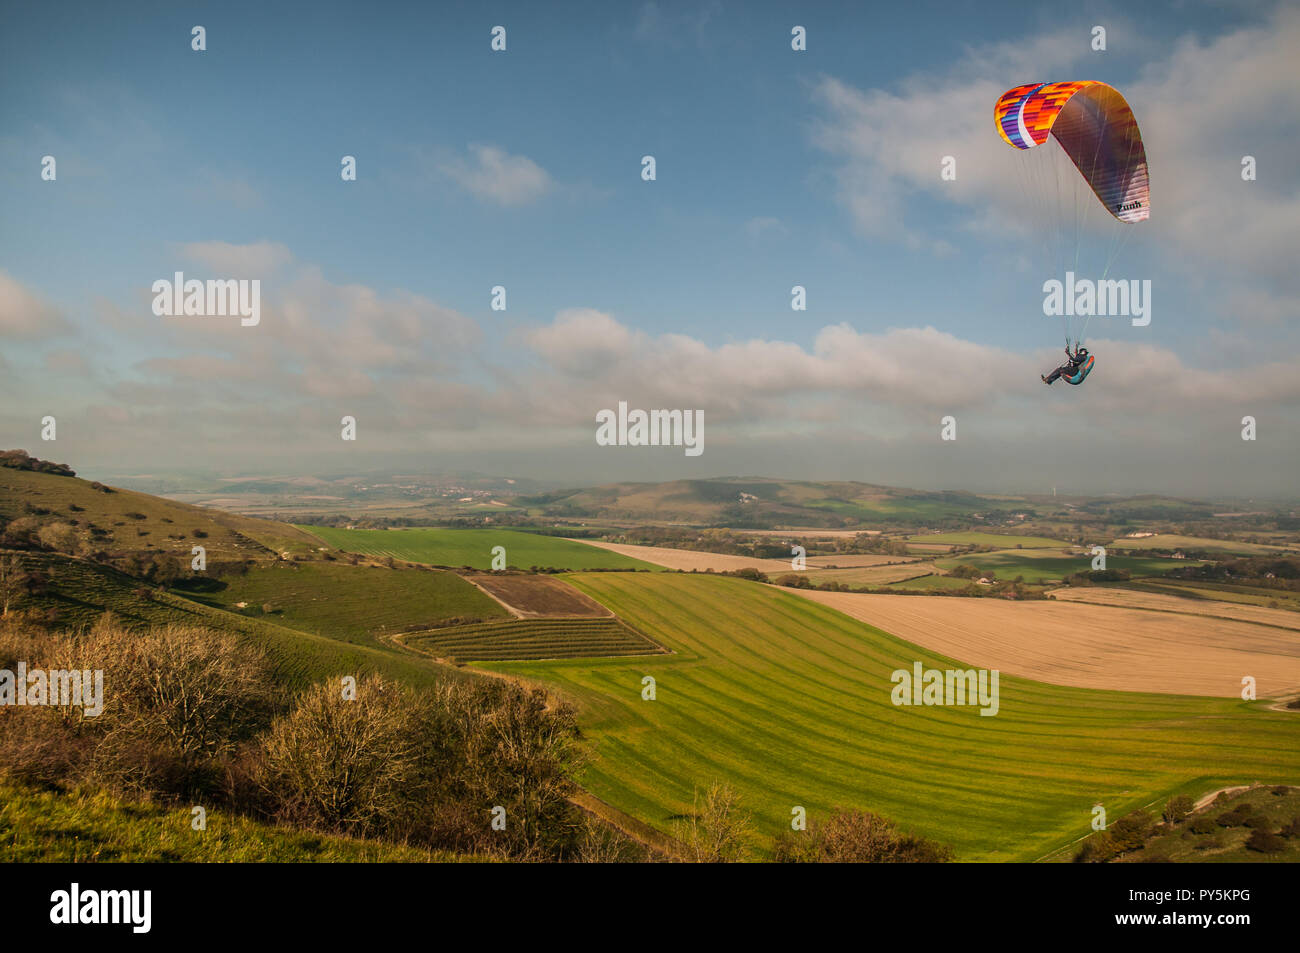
(774, 169)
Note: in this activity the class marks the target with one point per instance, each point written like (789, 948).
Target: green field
(789, 702)
(473, 547)
(1001, 540)
(1169, 541)
(1053, 567)
(353, 603)
(46, 827)
(535, 639)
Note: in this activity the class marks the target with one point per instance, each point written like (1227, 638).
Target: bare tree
(13, 582)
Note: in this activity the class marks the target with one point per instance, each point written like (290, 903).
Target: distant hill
(761, 503)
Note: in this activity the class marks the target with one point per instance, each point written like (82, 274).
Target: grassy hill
(111, 519)
(82, 591)
(790, 703)
(473, 547)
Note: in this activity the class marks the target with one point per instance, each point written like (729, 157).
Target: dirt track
(1089, 646)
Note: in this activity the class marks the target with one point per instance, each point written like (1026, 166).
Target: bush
(177, 702)
(857, 837)
(1097, 849)
(717, 829)
(183, 700)
(1131, 830)
(1258, 822)
(1292, 828)
(1202, 824)
(429, 767)
(1265, 843)
(1229, 819)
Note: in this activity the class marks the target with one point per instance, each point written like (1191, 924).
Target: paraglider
(1091, 125)
(1074, 370)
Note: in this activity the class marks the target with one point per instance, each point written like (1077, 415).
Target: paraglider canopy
(1095, 126)
(1090, 126)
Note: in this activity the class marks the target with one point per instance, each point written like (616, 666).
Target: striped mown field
(789, 702)
(533, 639)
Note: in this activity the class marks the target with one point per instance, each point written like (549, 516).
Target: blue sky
(522, 168)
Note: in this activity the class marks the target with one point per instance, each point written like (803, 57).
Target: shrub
(428, 767)
(1097, 848)
(1258, 822)
(1202, 824)
(183, 699)
(857, 837)
(1292, 828)
(1265, 843)
(717, 829)
(1130, 831)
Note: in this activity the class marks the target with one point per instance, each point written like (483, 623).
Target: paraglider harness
(1081, 367)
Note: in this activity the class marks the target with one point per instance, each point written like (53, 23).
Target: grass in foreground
(473, 547)
(789, 702)
(79, 827)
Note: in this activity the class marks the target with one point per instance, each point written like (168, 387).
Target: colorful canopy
(1095, 127)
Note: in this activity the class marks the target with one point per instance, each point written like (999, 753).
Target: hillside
(83, 517)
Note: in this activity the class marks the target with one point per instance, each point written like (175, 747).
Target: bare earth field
(540, 597)
(1154, 601)
(688, 559)
(1085, 645)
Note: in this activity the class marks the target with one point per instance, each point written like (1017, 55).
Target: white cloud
(492, 174)
(1201, 108)
(254, 260)
(25, 315)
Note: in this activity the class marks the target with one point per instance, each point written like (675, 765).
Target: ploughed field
(1088, 645)
(789, 701)
(530, 596)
